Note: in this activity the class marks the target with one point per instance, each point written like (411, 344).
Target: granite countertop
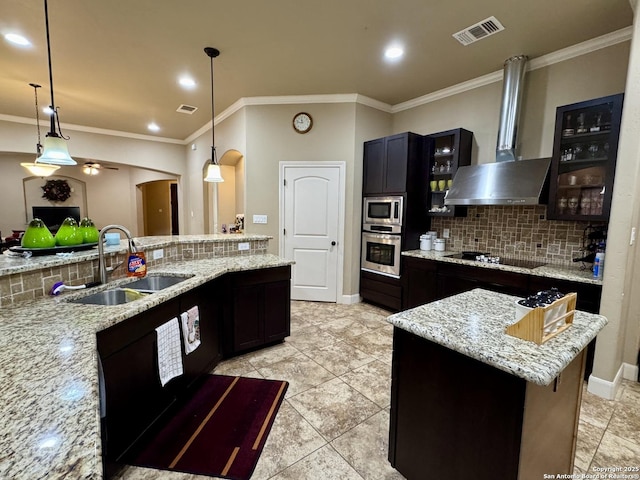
(48, 372)
(473, 323)
(561, 272)
(11, 263)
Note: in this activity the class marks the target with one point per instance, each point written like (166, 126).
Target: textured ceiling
(116, 62)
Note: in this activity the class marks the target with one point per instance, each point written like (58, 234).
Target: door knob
(333, 243)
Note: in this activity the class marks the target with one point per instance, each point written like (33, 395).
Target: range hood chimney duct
(505, 181)
(512, 86)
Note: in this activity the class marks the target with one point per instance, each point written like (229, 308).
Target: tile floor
(333, 423)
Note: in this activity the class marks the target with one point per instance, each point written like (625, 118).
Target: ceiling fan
(93, 168)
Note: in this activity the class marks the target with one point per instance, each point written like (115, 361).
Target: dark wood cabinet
(381, 290)
(585, 148)
(451, 149)
(204, 358)
(457, 418)
(390, 163)
(455, 278)
(252, 306)
(396, 165)
(419, 284)
(133, 395)
(257, 309)
(374, 166)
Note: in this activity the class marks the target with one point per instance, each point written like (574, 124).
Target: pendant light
(213, 170)
(55, 147)
(35, 168)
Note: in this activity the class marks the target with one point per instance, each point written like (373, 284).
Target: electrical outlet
(445, 233)
(243, 246)
(259, 219)
(158, 253)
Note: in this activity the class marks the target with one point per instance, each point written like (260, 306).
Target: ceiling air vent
(186, 109)
(480, 30)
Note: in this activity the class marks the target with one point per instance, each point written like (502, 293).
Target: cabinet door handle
(333, 243)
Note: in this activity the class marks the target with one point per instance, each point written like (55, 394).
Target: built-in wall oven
(382, 210)
(382, 235)
(381, 253)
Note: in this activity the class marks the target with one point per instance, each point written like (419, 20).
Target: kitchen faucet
(102, 269)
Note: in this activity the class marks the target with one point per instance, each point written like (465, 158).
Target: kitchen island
(470, 401)
(49, 394)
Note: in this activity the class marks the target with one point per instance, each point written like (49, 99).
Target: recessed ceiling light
(187, 82)
(393, 53)
(153, 127)
(17, 39)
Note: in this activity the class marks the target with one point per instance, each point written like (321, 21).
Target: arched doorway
(160, 207)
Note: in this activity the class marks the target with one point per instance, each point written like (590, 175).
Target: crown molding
(99, 131)
(558, 56)
(448, 92)
(588, 46)
(289, 100)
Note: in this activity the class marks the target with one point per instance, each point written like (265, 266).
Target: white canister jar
(425, 242)
(440, 244)
(433, 236)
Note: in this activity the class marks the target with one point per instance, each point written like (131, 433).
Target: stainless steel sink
(131, 291)
(155, 282)
(114, 296)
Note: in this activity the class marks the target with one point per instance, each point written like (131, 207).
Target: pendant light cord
(46, 24)
(214, 156)
(212, 53)
(35, 91)
(54, 110)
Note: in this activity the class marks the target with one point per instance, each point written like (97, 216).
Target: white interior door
(311, 206)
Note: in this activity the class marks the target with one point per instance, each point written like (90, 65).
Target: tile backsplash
(29, 285)
(515, 231)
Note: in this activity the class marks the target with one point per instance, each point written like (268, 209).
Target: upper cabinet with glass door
(584, 159)
(452, 149)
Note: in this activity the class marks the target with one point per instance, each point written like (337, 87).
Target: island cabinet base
(457, 418)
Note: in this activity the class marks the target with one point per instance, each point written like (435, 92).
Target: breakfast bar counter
(470, 401)
(49, 395)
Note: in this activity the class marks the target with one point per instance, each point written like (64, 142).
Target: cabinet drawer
(380, 289)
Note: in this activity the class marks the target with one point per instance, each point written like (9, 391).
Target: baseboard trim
(349, 299)
(630, 372)
(605, 388)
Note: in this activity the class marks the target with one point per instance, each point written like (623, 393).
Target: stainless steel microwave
(382, 210)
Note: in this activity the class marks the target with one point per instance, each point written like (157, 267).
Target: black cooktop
(488, 258)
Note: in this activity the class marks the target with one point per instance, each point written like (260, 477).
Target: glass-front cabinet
(584, 159)
(451, 149)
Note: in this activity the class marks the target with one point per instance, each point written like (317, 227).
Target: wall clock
(302, 122)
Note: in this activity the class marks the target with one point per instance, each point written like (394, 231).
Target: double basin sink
(130, 291)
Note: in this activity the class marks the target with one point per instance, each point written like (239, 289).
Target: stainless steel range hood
(521, 182)
(508, 181)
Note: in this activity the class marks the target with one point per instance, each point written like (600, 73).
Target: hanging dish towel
(169, 354)
(191, 329)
